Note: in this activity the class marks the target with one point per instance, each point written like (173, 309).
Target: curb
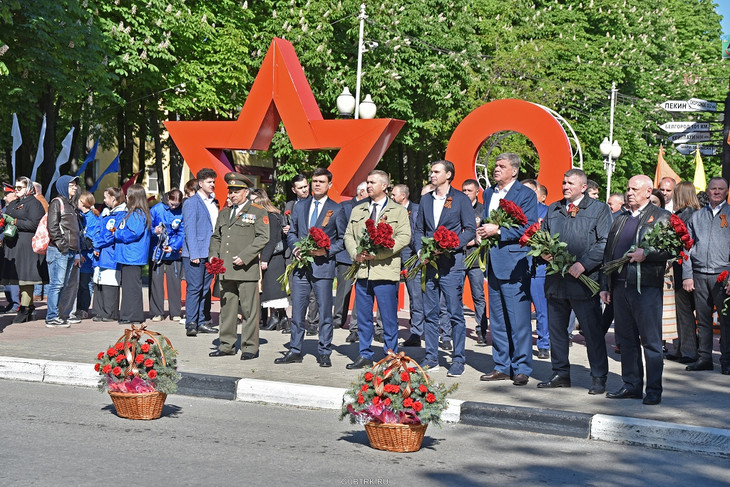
(617, 429)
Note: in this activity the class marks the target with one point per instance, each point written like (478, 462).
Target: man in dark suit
(321, 212)
(240, 233)
(400, 195)
(470, 188)
(300, 187)
(508, 276)
(450, 208)
(638, 313)
(583, 224)
(201, 211)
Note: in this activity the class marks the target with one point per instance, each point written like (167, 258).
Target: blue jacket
(459, 218)
(104, 239)
(328, 220)
(508, 261)
(200, 228)
(173, 221)
(132, 239)
(89, 228)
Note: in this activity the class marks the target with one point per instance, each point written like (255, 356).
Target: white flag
(17, 141)
(61, 160)
(39, 153)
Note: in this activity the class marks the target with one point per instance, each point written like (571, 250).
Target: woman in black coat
(273, 299)
(21, 266)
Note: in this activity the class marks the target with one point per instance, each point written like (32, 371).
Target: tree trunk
(142, 148)
(49, 108)
(155, 127)
(120, 140)
(176, 160)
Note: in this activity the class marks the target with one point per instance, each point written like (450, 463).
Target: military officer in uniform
(240, 233)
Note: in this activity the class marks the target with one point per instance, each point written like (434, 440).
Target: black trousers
(172, 270)
(588, 312)
(131, 308)
(106, 301)
(686, 344)
(708, 294)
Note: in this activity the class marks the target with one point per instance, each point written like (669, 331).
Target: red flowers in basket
(443, 242)
(215, 266)
(315, 240)
(374, 238)
(506, 215)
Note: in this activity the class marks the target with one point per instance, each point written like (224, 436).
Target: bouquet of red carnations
(443, 242)
(215, 266)
(374, 238)
(506, 215)
(315, 239)
(671, 237)
(542, 243)
(722, 279)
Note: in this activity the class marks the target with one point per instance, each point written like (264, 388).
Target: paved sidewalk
(691, 399)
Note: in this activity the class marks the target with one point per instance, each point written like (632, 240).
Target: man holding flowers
(377, 231)
(636, 291)
(444, 211)
(508, 274)
(583, 224)
(320, 213)
(708, 258)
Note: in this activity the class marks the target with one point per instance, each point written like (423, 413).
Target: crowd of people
(248, 243)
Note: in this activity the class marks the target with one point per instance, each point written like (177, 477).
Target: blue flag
(113, 167)
(89, 158)
(17, 141)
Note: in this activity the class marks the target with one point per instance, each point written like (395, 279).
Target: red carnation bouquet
(374, 238)
(722, 279)
(671, 237)
(315, 240)
(506, 215)
(541, 243)
(215, 266)
(443, 242)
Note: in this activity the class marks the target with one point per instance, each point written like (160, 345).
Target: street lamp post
(610, 149)
(346, 103)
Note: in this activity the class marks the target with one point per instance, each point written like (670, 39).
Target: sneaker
(543, 353)
(181, 320)
(446, 345)
(157, 318)
(457, 368)
(430, 366)
(176, 318)
(57, 323)
(74, 320)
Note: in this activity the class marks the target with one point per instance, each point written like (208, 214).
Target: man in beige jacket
(379, 273)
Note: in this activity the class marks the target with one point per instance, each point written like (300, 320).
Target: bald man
(638, 314)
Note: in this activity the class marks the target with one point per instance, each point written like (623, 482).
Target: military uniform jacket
(244, 235)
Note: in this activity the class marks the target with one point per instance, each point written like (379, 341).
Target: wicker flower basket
(396, 437)
(138, 406)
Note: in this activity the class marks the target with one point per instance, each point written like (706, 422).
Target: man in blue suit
(450, 208)
(201, 213)
(316, 211)
(508, 276)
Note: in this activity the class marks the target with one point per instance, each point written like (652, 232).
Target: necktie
(234, 210)
(315, 214)
(374, 212)
(570, 207)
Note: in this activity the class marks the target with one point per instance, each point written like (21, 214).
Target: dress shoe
(652, 398)
(360, 363)
(352, 337)
(289, 358)
(481, 341)
(700, 365)
(446, 345)
(378, 337)
(221, 353)
(271, 324)
(726, 371)
(543, 353)
(191, 331)
(520, 380)
(412, 341)
(311, 330)
(249, 355)
(673, 357)
(554, 382)
(494, 375)
(207, 329)
(97, 318)
(598, 386)
(124, 322)
(286, 330)
(324, 361)
(686, 360)
(624, 393)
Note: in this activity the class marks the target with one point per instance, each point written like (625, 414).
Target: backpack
(41, 238)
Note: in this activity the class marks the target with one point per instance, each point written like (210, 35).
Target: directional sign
(690, 137)
(705, 150)
(702, 105)
(673, 127)
(678, 106)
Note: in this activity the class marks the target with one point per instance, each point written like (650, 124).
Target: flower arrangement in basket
(138, 375)
(443, 242)
(396, 401)
(316, 239)
(374, 238)
(507, 215)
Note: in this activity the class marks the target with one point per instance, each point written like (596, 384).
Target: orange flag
(663, 169)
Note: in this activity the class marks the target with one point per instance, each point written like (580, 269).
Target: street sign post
(673, 127)
(691, 105)
(703, 105)
(705, 150)
(683, 138)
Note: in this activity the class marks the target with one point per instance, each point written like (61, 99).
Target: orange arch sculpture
(546, 133)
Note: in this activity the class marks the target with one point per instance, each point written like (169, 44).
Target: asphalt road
(60, 435)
